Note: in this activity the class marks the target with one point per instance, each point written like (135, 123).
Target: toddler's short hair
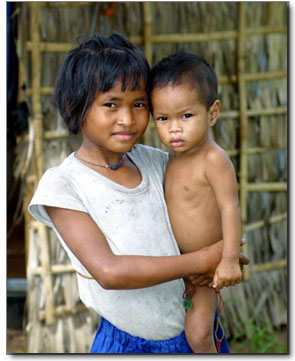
(185, 67)
(94, 66)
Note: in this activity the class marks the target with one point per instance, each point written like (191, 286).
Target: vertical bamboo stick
(148, 49)
(243, 127)
(36, 81)
(148, 31)
(38, 155)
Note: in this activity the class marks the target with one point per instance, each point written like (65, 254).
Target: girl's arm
(222, 178)
(111, 271)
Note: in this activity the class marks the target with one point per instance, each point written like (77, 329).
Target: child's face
(181, 120)
(117, 119)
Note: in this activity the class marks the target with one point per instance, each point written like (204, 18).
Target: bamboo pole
(38, 138)
(36, 81)
(65, 311)
(255, 150)
(213, 36)
(243, 172)
(270, 266)
(222, 79)
(225, 79)
(267, 187)
(148, 31)
(46, 275)
(254, 112)
(55, 269)
(56, 134)
(274, 219)
(65, 47)
(172, 38)
(148, 49)
(27, 216)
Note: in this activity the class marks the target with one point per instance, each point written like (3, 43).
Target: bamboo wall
(246, 43)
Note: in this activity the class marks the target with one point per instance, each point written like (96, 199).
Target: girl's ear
(214, 112)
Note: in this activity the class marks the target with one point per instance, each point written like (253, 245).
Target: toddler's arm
(222, 178)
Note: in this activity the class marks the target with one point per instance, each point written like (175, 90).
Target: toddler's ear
(214, 112)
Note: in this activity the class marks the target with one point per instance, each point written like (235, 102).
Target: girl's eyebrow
(111, 98)
(114, 98)
(141, 98)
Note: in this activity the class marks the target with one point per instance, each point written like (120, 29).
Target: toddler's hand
(228, 273)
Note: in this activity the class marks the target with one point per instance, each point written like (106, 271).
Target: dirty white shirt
(134, 222)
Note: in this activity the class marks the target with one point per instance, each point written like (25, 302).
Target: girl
(106, 204)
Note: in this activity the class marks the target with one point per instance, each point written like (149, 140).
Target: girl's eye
(139, 105)
(186, 116)
(110, 105)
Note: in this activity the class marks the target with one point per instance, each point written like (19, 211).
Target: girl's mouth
(124, 135)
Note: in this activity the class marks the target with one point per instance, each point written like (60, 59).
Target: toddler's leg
(200, 320)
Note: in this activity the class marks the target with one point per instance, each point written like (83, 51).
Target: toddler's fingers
(243, 241)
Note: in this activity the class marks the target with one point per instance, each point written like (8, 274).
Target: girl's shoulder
(148, 153)
(62, 170)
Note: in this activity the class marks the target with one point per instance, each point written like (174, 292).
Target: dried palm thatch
(246, 44)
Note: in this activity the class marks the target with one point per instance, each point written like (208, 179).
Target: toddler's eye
(162, 119)
(110, 105)
(186, 116)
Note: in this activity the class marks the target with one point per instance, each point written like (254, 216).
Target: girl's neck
(98, 154)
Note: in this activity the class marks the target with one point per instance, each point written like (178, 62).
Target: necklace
(109, 166)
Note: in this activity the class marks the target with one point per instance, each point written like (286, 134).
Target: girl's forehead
(116, 92)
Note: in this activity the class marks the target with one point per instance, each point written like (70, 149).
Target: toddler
(200, 181)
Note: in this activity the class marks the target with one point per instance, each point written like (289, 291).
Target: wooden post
(243, 128)
(148, 49)
(38, 152)
(148, 31)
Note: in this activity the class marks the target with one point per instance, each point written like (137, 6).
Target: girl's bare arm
(111, 271)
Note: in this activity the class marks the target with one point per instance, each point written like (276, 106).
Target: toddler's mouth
(176, 143)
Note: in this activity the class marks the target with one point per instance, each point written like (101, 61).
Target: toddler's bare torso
(194, 213)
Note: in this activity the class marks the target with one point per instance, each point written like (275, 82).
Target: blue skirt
(109, 339)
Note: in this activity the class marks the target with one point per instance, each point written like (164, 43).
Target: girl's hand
(201, 280)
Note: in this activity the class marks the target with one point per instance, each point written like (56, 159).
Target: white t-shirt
(135, 222)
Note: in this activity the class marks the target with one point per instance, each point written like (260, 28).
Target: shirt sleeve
(55, 190)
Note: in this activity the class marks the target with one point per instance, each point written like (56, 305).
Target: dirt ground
(16, 341)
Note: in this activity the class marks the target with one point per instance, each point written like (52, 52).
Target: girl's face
(182, 120)
(117, 119)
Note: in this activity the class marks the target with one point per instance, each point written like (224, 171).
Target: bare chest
(186, 182)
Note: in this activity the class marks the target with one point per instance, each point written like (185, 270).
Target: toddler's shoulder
(214, 153)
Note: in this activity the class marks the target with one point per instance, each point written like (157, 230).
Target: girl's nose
(126, 117)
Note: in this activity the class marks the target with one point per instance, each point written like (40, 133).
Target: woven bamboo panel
(247, 46)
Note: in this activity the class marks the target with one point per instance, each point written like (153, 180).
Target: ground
(16, 341)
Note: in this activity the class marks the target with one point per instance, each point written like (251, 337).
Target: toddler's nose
(174, 126)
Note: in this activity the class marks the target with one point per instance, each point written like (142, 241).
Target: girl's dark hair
(94, 66)
(185, 67)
